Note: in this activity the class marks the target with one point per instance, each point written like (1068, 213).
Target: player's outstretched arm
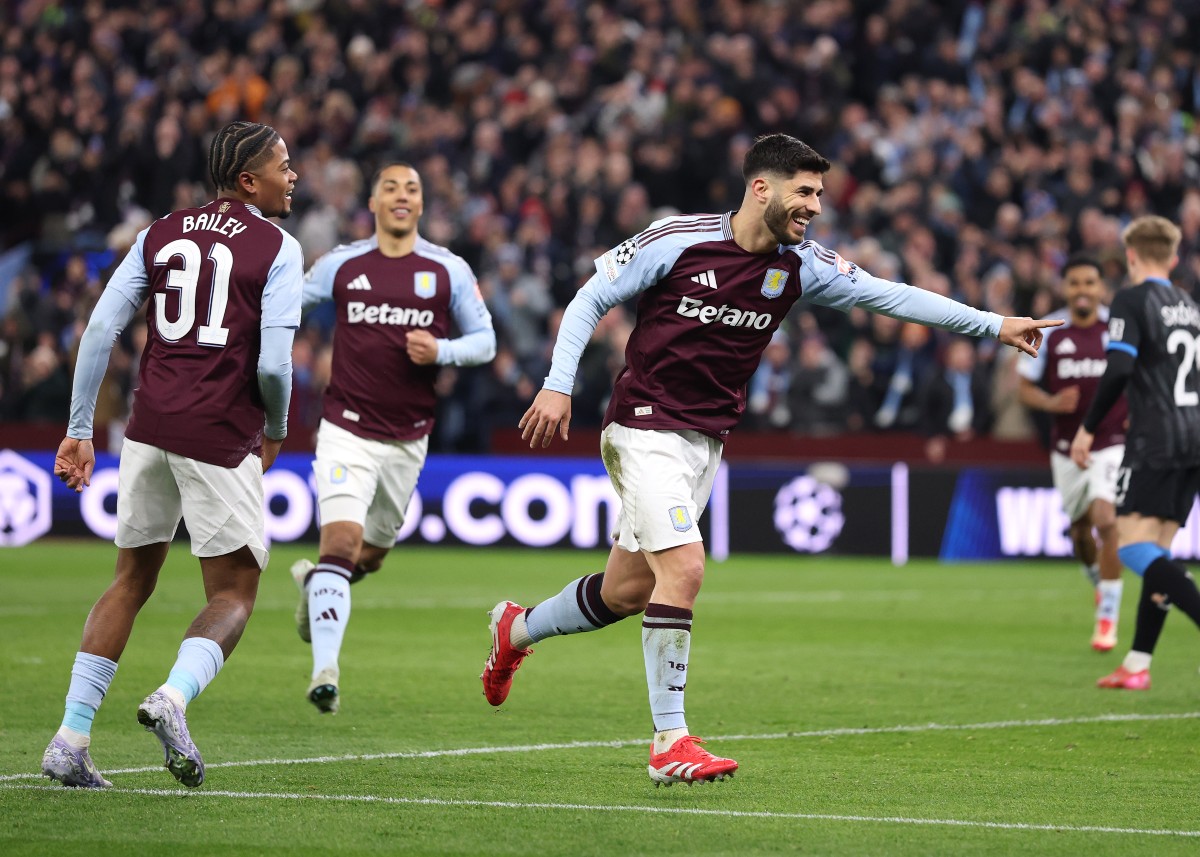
(1025, 333)
(550, 411)
(74, 462)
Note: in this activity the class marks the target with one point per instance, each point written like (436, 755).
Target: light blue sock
(90, 677)
(199, 660)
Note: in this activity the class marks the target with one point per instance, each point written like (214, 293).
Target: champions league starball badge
(625, 252)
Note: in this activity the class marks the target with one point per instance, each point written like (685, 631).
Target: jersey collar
(1160, 280)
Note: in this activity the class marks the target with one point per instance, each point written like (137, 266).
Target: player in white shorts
(397, 296)
(653, 471)
(222, 506)
(1062, 380)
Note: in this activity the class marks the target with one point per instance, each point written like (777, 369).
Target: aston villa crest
(426, 284)
(774, 282)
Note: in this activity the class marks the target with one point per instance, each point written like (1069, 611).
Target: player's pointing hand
(1025, 333)
(549, 411)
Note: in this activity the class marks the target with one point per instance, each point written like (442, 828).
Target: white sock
(666, 641)
(1135, 662)
(1092, 573)
(328, 614)
(518, 636)
(1109, 606)
(663, 740)
(76, 739)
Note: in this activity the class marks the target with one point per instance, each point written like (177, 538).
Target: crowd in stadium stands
(975, 146)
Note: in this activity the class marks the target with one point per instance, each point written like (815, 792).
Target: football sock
(666, 641)
(663, 740)
(1109, 605)
(198, 662)
(328, 614)
(1136, 661)
(1092, 573)
(576, 609)
(90, 677)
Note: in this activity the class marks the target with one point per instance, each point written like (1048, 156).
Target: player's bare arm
(270, 451)
(74, 462)
(1081, 447)
(422, 347)
(1025, 333)
(550, 411)
(1065, 401)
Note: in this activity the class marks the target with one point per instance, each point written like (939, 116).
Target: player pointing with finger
(711, 290)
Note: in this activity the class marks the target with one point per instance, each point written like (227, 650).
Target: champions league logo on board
(808, 514)
(24, 500)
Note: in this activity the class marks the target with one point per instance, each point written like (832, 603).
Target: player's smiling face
(397, 201)
(1084, 290)
(273, 183)
(794, 202)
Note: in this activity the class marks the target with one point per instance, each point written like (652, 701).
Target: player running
(1062, 380)
(224, 286)
(711, 291)
(396, 295)
(1153, 350)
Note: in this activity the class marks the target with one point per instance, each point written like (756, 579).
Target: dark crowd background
(975, 145)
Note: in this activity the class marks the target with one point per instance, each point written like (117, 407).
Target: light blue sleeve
(477, 344)
(621, 274)
(829, 280)
(285, 281)
(318, 282)
(126, 290)
(275, 378)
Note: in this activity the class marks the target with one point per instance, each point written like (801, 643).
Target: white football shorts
(368, 482)
(1080, 487)
(222, 506)
(664, 479)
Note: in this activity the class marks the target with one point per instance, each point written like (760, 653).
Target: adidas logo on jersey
(727, 315)
(706, 278)
(360, 282)
(1067, 346)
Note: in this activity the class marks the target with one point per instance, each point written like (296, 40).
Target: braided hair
(238, 147)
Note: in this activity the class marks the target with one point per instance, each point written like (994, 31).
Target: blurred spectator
(954, 400)
(980, 142)
(767, 405)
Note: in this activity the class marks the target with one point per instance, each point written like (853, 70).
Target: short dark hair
(1083, 260)
(387, 165)
(237, 147)
(781, 155)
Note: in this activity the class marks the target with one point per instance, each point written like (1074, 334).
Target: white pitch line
(660, 810)
(637, 742)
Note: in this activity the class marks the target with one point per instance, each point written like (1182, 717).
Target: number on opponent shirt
(1184, 397)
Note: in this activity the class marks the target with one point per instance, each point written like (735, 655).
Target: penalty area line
(657, 810)
(637, 742)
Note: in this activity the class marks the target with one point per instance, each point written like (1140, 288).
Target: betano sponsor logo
(1084, 367)
(358, 312)
(725, 314)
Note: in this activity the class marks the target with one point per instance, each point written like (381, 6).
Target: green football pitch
(932, 709)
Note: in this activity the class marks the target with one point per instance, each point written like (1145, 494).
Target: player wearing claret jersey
(1062, 381)
(224, 287)
(396, 296)
(710, 291)
(1154, 356)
